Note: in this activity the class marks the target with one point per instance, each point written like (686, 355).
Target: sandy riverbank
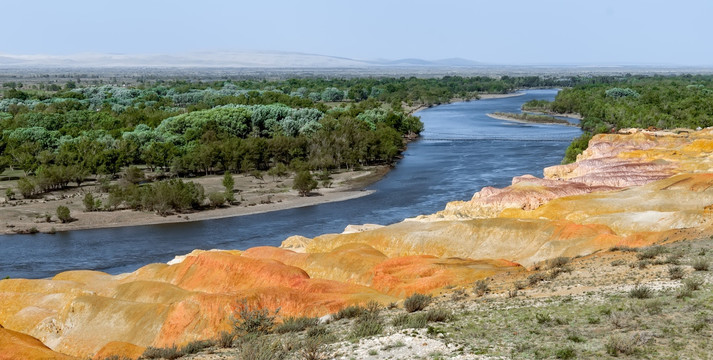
(414, 109)
(507, 118)
(255, 196)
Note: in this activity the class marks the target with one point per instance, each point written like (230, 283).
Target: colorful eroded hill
(634, 188)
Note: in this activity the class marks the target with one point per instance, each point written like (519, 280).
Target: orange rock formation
(634, 188)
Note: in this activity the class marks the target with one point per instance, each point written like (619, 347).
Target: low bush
(558, 262)
(481, 287)
(621, 344)
(622, 248)
(348, 312)
(410, 321)
(254, 347)
(567, 352)
(216, 199)
(536, 278)
(168, 353)
(439, 315)
(416, 302)
(196, 346)
(676, 272)
(700, 264)
(693, 283)
(250, 319)
(650, 252)
(225, 339)
(295, 324)
(641, 292)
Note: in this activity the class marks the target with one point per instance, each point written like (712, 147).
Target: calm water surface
(461, 150)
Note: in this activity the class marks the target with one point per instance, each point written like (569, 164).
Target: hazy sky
(498, 31)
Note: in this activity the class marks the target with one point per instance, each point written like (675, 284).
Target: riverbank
(254, 195)
(414, 109)
(513, 118)
(552, 113)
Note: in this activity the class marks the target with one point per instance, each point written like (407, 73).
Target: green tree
(63, 214)
(27, 187)
(88, 202)
(133, 175)
(229, 184)
(304, 182)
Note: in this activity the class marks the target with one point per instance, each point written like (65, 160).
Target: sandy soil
(254, 196)
(507, 118)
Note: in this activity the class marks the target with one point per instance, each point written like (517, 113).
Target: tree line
(656, 102)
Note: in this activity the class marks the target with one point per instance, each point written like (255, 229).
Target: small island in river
(530, 118)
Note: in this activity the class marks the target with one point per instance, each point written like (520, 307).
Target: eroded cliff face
(635, 188)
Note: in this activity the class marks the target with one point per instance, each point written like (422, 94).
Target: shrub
(618, 262)
(566, 353)
(26, 187)
(410, 321)
(295, 324)
(641, 292)
(249, 319)
(216, 199)
(700, 264)
(439, 315)
(675, 272)
(304, 183)
(196, 346)
(313, 349)
(481, 287)
(366, 327)
(63, 214)
(416, 302)
(225, 339)
(317, 331)
(650, 252)
(621, 344)
(673, 259)
(253, 347)
(536, 278)
(369, 322)
(684, 292)
(88, 202)
(693, 283)
(619, 319)
(622, 248)
(699, 325)
(229, 184)
(558, 262)
(169, 353)
(348, 312)
(543, 318)
(654, 306)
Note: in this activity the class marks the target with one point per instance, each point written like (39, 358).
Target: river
(460, 151)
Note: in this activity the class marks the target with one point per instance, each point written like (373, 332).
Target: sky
(601, 32)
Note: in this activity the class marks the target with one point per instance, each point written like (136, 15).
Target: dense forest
(611, 103)
(70, 134)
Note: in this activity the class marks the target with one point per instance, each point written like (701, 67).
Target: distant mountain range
(256, 59)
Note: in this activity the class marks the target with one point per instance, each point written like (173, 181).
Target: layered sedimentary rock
(635, 188)
(15, 345)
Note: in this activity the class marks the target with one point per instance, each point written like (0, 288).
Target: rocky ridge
(635, 188)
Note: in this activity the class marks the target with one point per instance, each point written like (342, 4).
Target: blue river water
(461, 150)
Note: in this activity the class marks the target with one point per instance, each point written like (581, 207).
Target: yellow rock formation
(634, 188)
